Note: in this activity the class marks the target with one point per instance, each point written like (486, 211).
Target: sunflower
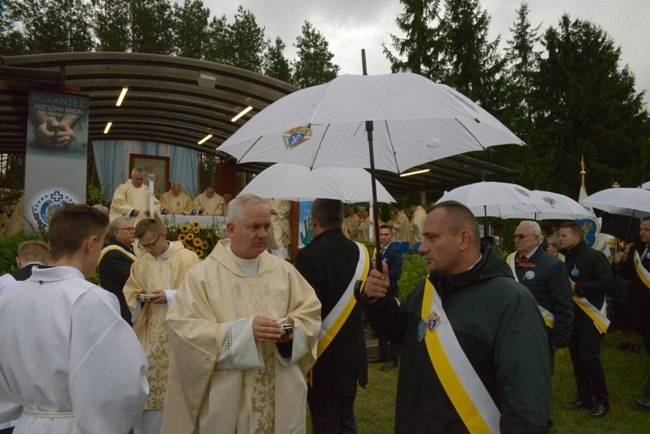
(205, 245)
(196, 224)
(199, 253)
(208, 236)
(196, 229)
(198, 242)
(182, 237)
(190, 237)
(185, 228)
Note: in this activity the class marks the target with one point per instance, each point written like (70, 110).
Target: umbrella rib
(318, 149)
(470, 133)
(390, 142)
(248, 150)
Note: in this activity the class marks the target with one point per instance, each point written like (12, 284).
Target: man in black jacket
(116, 259)
(30, 254)
(590, 277)
(637, 270)
(500, 358)
(331, 263)
(546, 278)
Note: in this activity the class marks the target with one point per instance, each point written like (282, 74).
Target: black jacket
(592, 274)
(394, 258)
(114, 271)
(639, 294)
(499, 327)
(328, 264)
(546, 278)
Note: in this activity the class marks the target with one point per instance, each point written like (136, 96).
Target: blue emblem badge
(433, 321)
(575, 272)
(45, 205)
(422, 327)
(647, 255)
(296, 136)
(530, 275)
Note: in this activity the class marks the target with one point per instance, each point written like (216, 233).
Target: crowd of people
(244, 341)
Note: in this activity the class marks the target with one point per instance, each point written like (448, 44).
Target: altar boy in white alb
(69, 363)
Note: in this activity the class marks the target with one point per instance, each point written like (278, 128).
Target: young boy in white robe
(69, 363)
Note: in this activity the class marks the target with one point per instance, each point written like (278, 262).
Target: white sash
(116, 247)
(644, 274)
(462, 384)
(597, 316)
(334, 320)
(549, 318)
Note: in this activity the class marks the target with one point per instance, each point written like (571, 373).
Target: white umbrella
(646, 186)
(415, 121)
(623, 201)
(561, 208)
(294, 182)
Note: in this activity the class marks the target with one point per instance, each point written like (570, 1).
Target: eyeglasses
(521, 237)
(150, 245)
(130, 230)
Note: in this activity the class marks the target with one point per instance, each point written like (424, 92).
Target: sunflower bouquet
(201, 240)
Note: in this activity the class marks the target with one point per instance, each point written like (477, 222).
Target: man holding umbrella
(637, 270)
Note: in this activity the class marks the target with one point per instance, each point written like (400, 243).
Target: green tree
(314, 63)
(420, 50)
(217, 49)
(586, 104)
(246, 41)
(191, 29)
(112, 24)
(53, 26)
(12, 41)
(275, 64)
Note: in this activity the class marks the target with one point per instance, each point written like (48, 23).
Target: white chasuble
(221, 380)
(149, 274)
(127, 198)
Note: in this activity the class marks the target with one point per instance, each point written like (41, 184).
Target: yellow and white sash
(561, 257)
(462, 384)
(116, 247)
(644, 274)
(549, 318)
(333, 322)
(597, 316)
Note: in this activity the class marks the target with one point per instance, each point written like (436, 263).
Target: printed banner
(57, 154)
(305, 231)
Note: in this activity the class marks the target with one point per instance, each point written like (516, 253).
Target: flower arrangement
(200, 240)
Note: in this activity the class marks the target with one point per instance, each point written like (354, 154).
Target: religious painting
(154, 165)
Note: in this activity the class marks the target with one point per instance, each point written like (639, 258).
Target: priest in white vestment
(418, 215)
(233, 370)
(280, 233)
(208, 203)
(351, 224)
(131, 199)
(158, 274)
(175, 202)
(401, 225)
(69, 362)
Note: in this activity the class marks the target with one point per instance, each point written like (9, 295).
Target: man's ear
(89, 242)
(465, 238)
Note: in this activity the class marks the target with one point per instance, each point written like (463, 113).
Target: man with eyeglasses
(547, 279)
(149, 292)
(116, 260)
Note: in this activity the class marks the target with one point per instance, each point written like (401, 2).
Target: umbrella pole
(629, 227)
(486, 224)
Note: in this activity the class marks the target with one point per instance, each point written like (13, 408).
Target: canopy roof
(177, 101)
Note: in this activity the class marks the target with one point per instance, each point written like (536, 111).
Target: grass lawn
(625, 372)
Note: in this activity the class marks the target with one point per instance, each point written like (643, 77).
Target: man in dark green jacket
(495, 321)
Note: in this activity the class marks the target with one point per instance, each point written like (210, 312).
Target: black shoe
(643, 403)
(577, 405)
(623, 346)
(599, 410)
(635, 348)
(389, 365)
(377, 359)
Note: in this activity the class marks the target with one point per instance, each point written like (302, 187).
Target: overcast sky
(350, 25)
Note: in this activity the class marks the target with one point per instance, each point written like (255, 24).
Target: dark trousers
(645, 334)
(387, 350)
(332, 415)
(584, 349)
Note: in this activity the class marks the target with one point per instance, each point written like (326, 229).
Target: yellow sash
(333, 322)
(549, 318)
(462, 384)
(644, 274)
(597, 316)
(561, 257)
(116, 247)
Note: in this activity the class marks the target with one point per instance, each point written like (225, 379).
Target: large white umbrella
(646, 185)
(294, 182)
(561, 207)
(623, 201)
(390, 122)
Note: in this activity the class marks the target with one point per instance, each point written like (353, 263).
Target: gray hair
(117, 224)
(534, 227)
(138, 170)
(236, 206)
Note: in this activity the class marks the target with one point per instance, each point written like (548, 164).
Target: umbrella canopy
(497, 199)
(646, 186)
(561, 208)
(293, 182)
(415, 121)
(622, 201)
(626, 228)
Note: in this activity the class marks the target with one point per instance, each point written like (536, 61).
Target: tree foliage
(276, 65)
(314, 63)
(191, 29)
(12, 41)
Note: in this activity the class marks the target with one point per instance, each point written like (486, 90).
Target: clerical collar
(248, 266)
(162, 255)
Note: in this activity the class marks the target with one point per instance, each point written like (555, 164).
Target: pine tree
(12, 41)
(276, 65)
(52, 26)
(191, 29)
(314, 64)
